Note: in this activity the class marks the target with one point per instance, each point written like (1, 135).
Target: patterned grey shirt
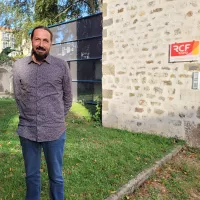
(44, 96)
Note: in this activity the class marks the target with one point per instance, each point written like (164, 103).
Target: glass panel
(84, 49)
(83, 75)
(79, 29)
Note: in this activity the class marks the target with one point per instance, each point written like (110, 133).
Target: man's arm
(67, 89)
(16, 84)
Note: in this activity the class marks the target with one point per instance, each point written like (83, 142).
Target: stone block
(171, 114)
(181, 115)
(149, 61)
(140, 95)
(139, 124)
(140, 73)
(135, 21)
(140, 110)
(104, 9)
(116, 79)
(121, 73)
(155, 103)
(185, 76)
(118, 94)
(109, 120)
(124, 45)
(151, 3)
(189, 14)
(108, 44)
(192, 67)
(146, 88)
(131, 94)
(107, 22)
(150, 96)
(156, 10)
(104, 32)
(133, 16)
(159, 111)
(172, 76)
(180, 83)
(198, 112)
(161, 98)
(145, 49)
(108, 94)
(121, 10)
(167, 82)
(108, 69)
(177, 31)
(137, 87)
(158, 90)
(105, 105)
(192, 132)
(165, 68)
(143, 102)
(176, 122)
(142, 13)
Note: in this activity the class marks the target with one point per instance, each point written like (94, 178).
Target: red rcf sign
(185, 48)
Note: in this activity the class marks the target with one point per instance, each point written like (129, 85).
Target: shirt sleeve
(67, 89)
(16, 84)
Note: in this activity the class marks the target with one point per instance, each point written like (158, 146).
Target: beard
(40, 56)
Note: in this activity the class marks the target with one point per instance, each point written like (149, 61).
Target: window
(12, 45)
(5, 36)
(5, 44)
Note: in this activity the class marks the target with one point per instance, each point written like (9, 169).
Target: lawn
(97, 160)
(178, 179)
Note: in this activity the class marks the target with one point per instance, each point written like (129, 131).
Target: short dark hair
(41, 27)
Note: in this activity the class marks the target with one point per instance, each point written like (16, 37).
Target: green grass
(97, 160)
(80, 111)
(178, 179)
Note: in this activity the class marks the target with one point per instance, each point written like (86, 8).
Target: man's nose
(41, 43)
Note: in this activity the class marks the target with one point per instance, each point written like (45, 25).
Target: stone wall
(6, 86)
(142, 91)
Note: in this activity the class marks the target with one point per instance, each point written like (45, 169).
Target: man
(42, 88)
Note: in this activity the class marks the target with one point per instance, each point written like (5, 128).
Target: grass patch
(178, 179)
(80, 111)
(97, 160)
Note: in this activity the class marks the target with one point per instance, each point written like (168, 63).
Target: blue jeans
(53, 152)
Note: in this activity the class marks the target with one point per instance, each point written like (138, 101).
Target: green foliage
(98, 113)
(4, 58)
(46, 10)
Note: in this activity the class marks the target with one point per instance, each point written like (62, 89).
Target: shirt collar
(47, 59)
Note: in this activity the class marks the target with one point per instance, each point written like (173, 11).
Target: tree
(47, 11)
(23, 15)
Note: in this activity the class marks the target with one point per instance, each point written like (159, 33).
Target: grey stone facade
(142, 91)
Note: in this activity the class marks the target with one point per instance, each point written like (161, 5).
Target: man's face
(41, 44)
